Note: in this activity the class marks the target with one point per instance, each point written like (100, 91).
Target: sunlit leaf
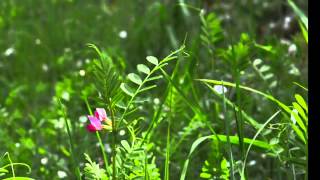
(152, 60)
(135, 78)
(125, 88)
(143, 68)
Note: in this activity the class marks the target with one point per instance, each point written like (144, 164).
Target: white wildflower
(220, 89)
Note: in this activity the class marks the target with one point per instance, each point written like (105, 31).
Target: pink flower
(100, 116)
(95, 124)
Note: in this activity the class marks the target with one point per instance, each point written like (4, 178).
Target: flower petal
(91, 128)
(96, 124)
(101, 114)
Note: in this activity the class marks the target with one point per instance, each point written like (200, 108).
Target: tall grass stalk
(114, 140)
(254, 138)
(227, 129)
(167, 163)
(74, 162)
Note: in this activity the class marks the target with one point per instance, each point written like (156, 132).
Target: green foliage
(236, 55)
(4, 172)
(133, 162)
(92, 170)
(211, 30)
(210, 172)
(248, 118)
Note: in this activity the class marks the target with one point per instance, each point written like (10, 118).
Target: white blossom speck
(9, 51)
(156, 101)
(252, 163)
(293, 119)
(287, 21)
(61, 174)
(107, 148)
(122, 132)
(220, 89)
(44, 160)
(123, 34)
(292, 49)
(45, 67)
(38, 41)
(65, 95)
(79, 63)
(272, 25)
(285, 42)
(83, 119)
(82, 72)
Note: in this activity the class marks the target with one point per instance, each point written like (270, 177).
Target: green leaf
(304, 88)
(222, 138)
(298, 132)
(193, 147)
(257, 62)
(205, 175)
(299, 121)
(143, 68)
(135, 78)
(298, 12)
(2, 170)
(300, 110)
(268, 76)
(274, 141)
(126, 145)
(304, 32)
(264, 68)
(267, 48)
(271, 98)
(301, 101)
(18, 178)
(125, 88)
(147, 88)
(152, 60)
(154, 78)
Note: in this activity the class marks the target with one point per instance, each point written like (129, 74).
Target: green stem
(103, 151)
(227, 123)
(167, 162)
(70, 140)
(114, 140)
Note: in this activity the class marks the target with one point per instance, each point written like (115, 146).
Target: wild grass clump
(153, 90)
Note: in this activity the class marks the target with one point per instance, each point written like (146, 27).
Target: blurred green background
(44, 55)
